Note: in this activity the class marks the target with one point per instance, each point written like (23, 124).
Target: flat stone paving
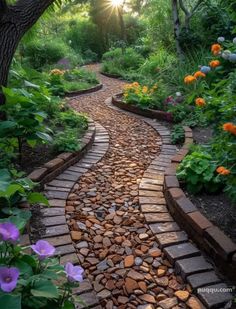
(133, 253)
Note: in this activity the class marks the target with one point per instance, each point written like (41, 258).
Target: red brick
(38, 174)
(65, 156)
(171, 182)
(222, 243)
(198, 222)
(177, 158)
(176, 193)
(54, 164)
(171, 170)
(184, 205)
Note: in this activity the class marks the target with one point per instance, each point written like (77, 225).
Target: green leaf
(10, 301)
(35, 197)
(44, 136)
(68, 305)
(45, 288)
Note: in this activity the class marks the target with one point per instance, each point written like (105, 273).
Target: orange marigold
(189, 79)
(229, 127)
(214, 63)
(215, 49)
(145, 89)
(199, 74)
(200, 102)
(135, 84)
(222, 170)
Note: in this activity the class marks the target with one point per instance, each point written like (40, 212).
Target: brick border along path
(133, 258)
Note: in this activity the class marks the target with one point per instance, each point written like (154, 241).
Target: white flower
(225, 54)
(220, 39)
(178, 94)
(234, 40)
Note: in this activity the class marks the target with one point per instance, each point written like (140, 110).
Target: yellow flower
(57, 72)
(199, 74)
(214, 63)
(145, 89)
(135, 84)
(189, 79)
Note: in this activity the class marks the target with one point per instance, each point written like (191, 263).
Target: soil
(217, 208)
(36, 157)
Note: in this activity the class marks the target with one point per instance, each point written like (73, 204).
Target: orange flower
(145, 89)
(222, 170)
(215, 49)
(229, 127)
(200, 102)
(214, 63)
(190, 79)
(135, 84)
(199, 74)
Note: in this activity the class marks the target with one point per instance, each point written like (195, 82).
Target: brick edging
(150, 113)
(185, 257)
(110, 75)
(208, 236)
(61, 162)
(70, 94)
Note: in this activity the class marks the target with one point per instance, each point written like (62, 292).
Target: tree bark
(177, 25)
(15, 20)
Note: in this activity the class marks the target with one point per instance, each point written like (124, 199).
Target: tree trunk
(177, 26)
(122, 24)
(15, 20)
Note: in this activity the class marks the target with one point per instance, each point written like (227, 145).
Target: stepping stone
(59, 240)
(52, 221)
(215, 296)
(88, 300)
(181, 251)
(171, 238)
(146, 186)
(77, 169)
(57, 203)
(65, 176)
(62, 250)
(158, 217)
(154, 208)
(84, 286)
(51, 212)
(56, 231)
(72, 258)
(60, 183)
(199, 280)
(151, 193)
(56, 195)
(192, 265)
(152, 200)
(50, 188)
(164, 227)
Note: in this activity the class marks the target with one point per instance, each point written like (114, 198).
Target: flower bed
(161, 115)
(84, 91)
(208, 236)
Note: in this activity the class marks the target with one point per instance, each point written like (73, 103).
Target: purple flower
(8, 278)
(43, 249)
(9, 232)
(74, 273)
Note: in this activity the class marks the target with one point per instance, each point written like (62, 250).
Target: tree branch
(3, 8)
(183, 8)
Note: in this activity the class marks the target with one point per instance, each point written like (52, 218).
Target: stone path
(133, 252)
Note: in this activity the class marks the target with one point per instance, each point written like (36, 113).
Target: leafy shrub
(73, 119)
(198, 171)
(177, 135)
(41, 53)
(67, 141)
(118, 61)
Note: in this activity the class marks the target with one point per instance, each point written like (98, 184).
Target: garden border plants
(151, 113)
(64, 160)
(208, 236)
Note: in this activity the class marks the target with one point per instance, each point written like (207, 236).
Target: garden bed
(111, 75)
(56, 166)
(208, 236)
(84, 91)
(151, 113)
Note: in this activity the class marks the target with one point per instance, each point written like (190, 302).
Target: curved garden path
(116, 215)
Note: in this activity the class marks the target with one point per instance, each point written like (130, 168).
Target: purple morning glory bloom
(43, 249)
(9, 232)
(8, 278)
(74, 273)
(205, 69)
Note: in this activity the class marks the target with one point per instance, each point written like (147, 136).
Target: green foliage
(177, 135)
(198, 171)
(67, 141)
(43, 52)
(73, 119)
(118, 61)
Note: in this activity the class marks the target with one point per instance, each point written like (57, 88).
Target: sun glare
(117, 2)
